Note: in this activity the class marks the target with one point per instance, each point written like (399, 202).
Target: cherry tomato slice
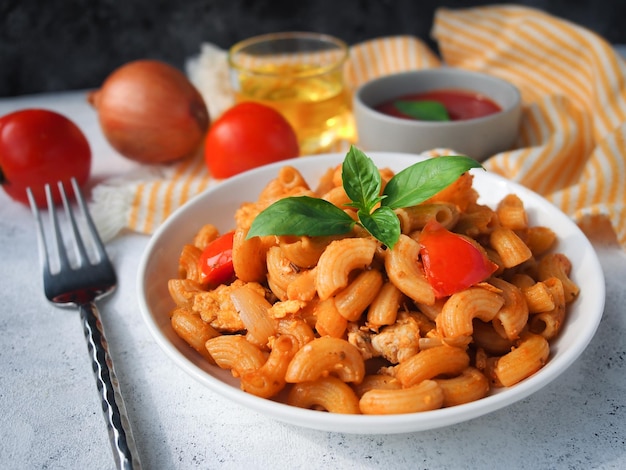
(216, 261)
(452, 262)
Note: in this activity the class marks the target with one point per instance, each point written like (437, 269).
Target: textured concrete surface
(51, 416)
(49, 45)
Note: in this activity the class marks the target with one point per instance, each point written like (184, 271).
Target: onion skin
(150, 112)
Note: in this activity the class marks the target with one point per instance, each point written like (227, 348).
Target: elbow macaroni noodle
(345, 325)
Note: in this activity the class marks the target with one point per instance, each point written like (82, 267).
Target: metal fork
(79, 281)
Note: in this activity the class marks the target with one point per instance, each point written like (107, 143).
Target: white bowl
(218, 204)
(478, 138)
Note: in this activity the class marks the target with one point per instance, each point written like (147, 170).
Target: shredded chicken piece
(216, 308)
(285, 308)
(457, 193)
(396, 342)
(362, 339)
(399, 341)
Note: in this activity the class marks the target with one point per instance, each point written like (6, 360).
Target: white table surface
(50, 411)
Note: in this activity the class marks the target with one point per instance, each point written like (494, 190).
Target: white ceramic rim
(585, 261)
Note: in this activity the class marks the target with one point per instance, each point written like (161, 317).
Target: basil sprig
(303, 215)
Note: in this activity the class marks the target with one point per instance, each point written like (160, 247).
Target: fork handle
(120, 433)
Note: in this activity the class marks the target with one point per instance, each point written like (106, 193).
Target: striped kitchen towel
(572, 142)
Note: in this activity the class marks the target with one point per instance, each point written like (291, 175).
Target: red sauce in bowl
(460, 104)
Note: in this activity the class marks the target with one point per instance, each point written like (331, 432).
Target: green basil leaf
(361, 180)
(423, 180)
(423, 110)
(383, 224)
(301, 215)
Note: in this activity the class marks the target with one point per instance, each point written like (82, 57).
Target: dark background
(51, 45)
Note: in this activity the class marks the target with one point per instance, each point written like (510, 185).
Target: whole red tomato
(38, 146)
(246, 136)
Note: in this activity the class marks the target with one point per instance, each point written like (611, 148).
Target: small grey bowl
(478, 138)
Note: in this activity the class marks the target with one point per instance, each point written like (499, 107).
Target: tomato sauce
(460, 104)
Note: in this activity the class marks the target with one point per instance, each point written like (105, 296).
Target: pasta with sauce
(344, 324)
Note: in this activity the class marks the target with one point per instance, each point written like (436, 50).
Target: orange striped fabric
(154, 199)
(571, 146)
(572, 142)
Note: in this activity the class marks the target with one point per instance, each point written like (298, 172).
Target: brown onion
(150, 112)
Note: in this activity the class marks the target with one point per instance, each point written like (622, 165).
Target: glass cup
(301, 75)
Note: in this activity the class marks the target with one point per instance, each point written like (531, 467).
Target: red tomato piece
(451, 261)
(216, 261)
(246, 136)
(38, 146)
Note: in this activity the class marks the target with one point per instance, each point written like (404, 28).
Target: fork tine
(41, 239)
(78, 240)
(57, 237)
(102, 254)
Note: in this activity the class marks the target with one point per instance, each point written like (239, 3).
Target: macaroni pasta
(346, 325)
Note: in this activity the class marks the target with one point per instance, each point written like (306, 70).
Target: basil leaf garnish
(423, 180)
(301, 215)
(423, 110)
(383, 224)
(308, 216)
(361, 180)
